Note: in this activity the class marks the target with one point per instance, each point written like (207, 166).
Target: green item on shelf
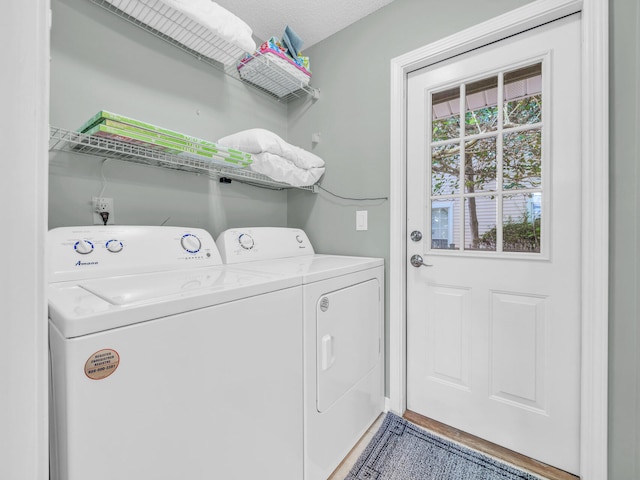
(179, 143)
(170, 135)
(164, 145)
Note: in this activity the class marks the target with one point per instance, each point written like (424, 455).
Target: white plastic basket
(273, 73)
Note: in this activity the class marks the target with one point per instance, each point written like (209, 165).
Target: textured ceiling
(312, 20)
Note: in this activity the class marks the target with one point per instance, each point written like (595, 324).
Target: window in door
(442, 215)
(486, 164)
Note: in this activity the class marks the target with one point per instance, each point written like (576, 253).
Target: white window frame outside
(448, 205)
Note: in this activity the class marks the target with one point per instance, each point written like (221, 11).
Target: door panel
(493, 326)
(448, 322)
(517, 349)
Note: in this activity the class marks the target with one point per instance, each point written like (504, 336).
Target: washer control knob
(83, 247)
(299, 238)
(114, 246)
(190, 243)
(246, 241)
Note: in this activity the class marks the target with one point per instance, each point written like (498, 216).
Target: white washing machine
(167, 365)
(343, 302)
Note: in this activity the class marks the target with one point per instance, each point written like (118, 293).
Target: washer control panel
(95, 251)
(239, 245)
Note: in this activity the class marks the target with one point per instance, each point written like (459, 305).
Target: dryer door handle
(327, 356)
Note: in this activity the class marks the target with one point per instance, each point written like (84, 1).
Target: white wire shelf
(267, 74)
(62, 140)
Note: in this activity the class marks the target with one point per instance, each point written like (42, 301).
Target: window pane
(445, 169)
(523, 96)
(482, 110)
(440, 231)
(522, 160)
(521, 217)
(446, 114)
(445, 224)
(480, 223)
(480, 165)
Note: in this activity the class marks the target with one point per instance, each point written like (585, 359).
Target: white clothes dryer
(343, 305)
(167, 365)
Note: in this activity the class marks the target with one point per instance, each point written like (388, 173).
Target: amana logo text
(82, 264)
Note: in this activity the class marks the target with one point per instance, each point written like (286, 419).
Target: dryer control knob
(114, 246)
(83, 247)
(246, 241)
(190, 243)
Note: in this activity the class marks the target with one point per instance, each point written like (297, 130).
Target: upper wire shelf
(75, 142)
(267, 74)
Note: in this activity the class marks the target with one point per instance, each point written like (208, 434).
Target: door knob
(416, 261)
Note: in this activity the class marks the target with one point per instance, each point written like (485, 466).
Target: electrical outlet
(99, 205)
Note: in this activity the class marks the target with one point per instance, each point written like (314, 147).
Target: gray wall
(624, 311)
(100, 62)
(352, 71)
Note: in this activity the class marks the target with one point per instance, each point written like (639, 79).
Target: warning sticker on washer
(102, 364)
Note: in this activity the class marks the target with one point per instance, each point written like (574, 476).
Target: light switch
(361, 220)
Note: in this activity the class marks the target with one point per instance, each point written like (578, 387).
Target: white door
(493, 324)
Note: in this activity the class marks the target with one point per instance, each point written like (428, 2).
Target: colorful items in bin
(273, 69)
(292, 41)
(306, 64)
(125, 129)
(274, 44)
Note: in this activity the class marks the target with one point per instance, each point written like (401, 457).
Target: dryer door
(348, 339)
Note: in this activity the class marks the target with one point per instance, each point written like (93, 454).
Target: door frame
(23, 300)
(595, 201)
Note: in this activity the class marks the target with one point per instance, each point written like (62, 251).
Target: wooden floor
(491, 449)
(343, 469)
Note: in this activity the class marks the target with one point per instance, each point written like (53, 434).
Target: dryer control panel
(77, 253)
(239, 245)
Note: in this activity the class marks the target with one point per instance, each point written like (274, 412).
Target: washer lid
(148, 287)
(92, 306)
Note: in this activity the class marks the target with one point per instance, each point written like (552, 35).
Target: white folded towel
(217, 19)
(276, 158)
(282, 170)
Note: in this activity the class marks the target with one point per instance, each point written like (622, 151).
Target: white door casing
(24, 446)
(594, 121)
(493, 337)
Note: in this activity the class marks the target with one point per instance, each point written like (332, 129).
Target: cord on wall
(357, 199)
(104, 180)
